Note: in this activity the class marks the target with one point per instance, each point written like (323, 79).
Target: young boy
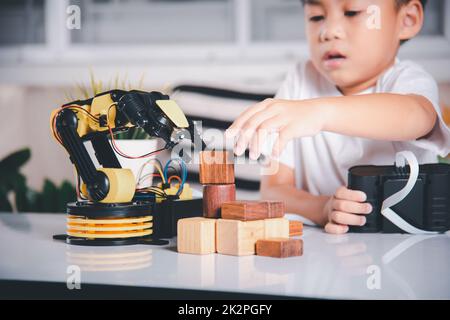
(352, 103)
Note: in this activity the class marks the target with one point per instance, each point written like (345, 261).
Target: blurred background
(215, 57)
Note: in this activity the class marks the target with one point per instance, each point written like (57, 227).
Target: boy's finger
(347, 218)
(244, 116)
(257, 142)
(251, 126)
(344, 193)
(351, 206)
(334, 228)
(285, 134)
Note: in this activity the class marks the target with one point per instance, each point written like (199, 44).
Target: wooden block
(276, 228)
(279, 247)
(295, 228)
(196, 235)
(252, 210)
(216, 167)
(238, 238)
(214, 195)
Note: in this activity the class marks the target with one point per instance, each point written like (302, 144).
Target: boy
(352, 103)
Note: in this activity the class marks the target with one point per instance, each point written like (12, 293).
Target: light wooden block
(196, 235)
(252, 210)
(276, 228)
(238, 238)
(216, 167)
(279, 247)
(295, 228)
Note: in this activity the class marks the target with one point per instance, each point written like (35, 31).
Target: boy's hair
(398, 3)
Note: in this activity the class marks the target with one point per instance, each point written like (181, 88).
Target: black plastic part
(98, 188)
(109, 210)
(104, 152)
(165, 186)
(426, 207)
(167, 213)
(141, 110)
(109, 242)
(97, 182)
(66, 126)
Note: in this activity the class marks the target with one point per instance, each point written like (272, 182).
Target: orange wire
(176, 177)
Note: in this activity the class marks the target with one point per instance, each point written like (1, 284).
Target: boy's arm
(281, 187)
(380, 116)
(337, 212)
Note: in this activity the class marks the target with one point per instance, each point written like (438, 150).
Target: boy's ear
(411, 19)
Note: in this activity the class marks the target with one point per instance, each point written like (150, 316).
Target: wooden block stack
(243, 223)
(217, 176)
(235, 227)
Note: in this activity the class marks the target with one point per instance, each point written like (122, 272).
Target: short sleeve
(286, 157)
(287, 88)
(412, 79)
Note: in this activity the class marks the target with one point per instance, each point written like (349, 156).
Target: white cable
(397, 197)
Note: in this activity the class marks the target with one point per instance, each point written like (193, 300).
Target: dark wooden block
(279, 247)
(295, 228)
(214, 195)
(252, 210)
(216, 167)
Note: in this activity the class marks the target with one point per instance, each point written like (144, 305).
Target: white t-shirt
(322, 162)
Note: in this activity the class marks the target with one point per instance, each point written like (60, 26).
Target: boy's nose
(332, 31)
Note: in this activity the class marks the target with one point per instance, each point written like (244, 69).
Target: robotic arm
(113, 111)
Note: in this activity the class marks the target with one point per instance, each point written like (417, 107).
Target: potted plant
(15, 195)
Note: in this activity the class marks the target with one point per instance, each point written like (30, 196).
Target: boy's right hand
(344, 209)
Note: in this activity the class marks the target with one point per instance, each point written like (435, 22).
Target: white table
(373, 266)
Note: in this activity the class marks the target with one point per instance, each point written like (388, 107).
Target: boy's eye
(351, 13)
(316, 18)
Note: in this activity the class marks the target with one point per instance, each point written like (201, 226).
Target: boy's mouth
(333, 59)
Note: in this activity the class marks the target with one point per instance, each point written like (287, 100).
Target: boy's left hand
(346, 208)
(289, 118)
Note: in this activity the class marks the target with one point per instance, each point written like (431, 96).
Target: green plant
(51, 199)
(11, 179)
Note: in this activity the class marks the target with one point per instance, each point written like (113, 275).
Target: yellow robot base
(97, 224)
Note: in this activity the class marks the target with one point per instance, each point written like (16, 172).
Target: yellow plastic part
(124, 227)
(108, 234)
(52, 115)
(78, 226)
(121, 185)
(174, 112)
(112, 221)
(100, 106)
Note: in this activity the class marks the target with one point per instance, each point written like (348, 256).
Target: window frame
(431, 51)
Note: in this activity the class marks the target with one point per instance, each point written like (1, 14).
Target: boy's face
(352, 41)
